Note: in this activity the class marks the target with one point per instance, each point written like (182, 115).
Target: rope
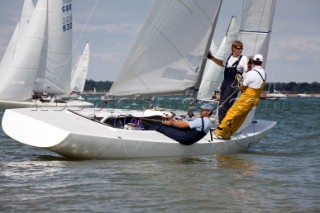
(236, 80)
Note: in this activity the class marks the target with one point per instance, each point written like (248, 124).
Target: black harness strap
(258, 73)
(236, 63)
(202, 124)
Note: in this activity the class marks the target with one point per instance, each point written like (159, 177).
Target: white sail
(17, 36)
(213, 73)
(54, 74)
(27, 11)
(179, 58)
(80, 71)
(8, 55)
(18, 79)
(255, 32)
(256, 26)
(15, 41)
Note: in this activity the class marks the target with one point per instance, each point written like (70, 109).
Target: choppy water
(281, 174)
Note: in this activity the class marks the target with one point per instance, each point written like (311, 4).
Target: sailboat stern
(22, 125)
(253, 133)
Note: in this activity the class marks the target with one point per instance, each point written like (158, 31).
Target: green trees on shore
(290, 88)
(100, 86)
(293, 87)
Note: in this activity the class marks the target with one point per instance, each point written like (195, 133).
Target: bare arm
(241, 87)
(176, 123)
(216, 60)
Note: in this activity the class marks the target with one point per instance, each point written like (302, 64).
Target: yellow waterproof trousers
(239, 111)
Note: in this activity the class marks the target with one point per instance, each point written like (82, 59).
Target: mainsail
(54, 75)
(179, 60)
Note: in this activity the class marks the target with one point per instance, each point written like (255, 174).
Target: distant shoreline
(296, 95)
(289, 95)
(92, 93)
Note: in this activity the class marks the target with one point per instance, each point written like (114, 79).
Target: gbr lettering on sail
(66, 9)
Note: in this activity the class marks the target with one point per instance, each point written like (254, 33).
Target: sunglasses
(239, 48)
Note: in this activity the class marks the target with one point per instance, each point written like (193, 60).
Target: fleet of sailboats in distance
(45, 34)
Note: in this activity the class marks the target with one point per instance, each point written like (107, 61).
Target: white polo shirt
(252, 79)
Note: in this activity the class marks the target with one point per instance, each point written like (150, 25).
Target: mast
(204, 60)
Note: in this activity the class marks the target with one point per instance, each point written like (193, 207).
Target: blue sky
(113, 26)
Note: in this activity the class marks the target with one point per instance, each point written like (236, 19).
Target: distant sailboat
(47, 38)
(304, 95)
(275, 95)
(80, 72)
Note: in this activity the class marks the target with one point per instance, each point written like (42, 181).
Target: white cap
(258, 57)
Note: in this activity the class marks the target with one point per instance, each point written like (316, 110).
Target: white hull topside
(75, 135)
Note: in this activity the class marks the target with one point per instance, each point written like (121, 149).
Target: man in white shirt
(186, 132)
(252, 87)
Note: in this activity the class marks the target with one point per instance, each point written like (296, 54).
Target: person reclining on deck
(252, 87)
(187, 132)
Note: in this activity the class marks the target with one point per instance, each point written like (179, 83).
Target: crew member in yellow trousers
(252, 87)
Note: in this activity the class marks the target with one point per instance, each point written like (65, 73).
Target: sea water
(280, 174)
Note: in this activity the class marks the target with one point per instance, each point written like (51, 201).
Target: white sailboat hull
(76, 136)
(274, 96)
(4, 104)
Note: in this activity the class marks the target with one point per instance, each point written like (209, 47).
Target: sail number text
(67, 20)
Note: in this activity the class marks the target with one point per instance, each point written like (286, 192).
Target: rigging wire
(86, 23)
